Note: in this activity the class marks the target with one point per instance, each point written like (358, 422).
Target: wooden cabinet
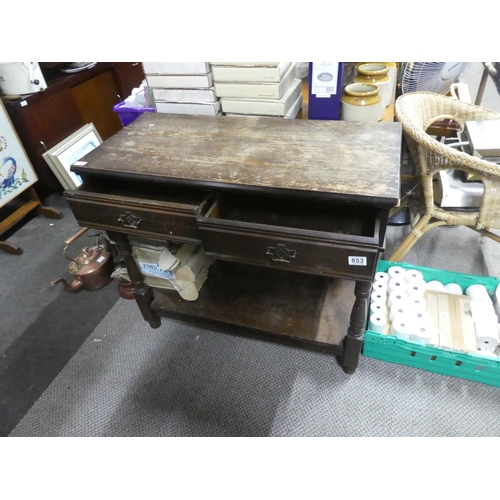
(129, 76)
(70, 101)
(95, 99)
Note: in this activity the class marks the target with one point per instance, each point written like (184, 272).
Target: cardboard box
(181, 95)
(266, 64)
(186, 278)
(180, 81)
(189, 108)
(291, 115)
(484, 138)
(270, 107)
(251, 74)
(294, 110)
(266, 90)
(176, 68)
(325, 90)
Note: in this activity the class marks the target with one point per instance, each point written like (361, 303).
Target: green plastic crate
(390, 348)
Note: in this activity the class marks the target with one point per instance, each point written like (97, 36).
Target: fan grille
(434, 77)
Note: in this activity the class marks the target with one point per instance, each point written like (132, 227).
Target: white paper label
(444, 317)
(324, 78)
(357, 261)
(79, 163)
(23, 103)
(154, 270)
(101, 258)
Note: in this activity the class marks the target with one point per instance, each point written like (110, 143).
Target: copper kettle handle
(82, 231)
(70, 240)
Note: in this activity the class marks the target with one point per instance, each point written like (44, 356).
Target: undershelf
(302, 307)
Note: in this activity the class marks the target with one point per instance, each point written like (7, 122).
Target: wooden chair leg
(489, 234)
(49, 212)
(32, 202)
(5, 246)
(416, 233)
(416, 205)
(410, 240)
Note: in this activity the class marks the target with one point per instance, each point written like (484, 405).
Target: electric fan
(434, 77)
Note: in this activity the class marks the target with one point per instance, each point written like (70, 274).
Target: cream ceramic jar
(393, 75)
(376, 74)
(360, 103)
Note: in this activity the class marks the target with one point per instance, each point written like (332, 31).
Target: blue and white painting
(16, 172)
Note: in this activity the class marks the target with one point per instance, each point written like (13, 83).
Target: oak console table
(289, 209)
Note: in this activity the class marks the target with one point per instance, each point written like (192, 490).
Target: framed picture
(16, 171)
(63, 155)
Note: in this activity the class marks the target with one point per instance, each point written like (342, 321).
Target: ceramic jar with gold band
(393, 75)
(360, 103)
(376, 74)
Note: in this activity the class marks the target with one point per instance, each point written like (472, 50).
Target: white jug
(18, 78)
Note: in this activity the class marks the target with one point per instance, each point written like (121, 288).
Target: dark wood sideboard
(291, 210)
(70, 101)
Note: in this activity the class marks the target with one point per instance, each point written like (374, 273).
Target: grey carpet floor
(41, 326)
(184, 380)
(25, 280)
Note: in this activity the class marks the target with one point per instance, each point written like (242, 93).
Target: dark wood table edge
(378, 202)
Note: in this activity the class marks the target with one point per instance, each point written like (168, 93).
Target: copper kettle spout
(76, 285)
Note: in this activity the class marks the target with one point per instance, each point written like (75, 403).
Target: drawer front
(174, 223)
(299, 235)
(296, 254)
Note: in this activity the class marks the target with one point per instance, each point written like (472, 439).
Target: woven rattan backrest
(418, 110)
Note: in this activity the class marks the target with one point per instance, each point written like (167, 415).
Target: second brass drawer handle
(129, 220)
(280, 253)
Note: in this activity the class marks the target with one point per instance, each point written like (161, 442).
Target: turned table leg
(143, 294)
(353, 341)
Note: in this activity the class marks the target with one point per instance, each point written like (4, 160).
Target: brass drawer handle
(129, 220)
(280, 253)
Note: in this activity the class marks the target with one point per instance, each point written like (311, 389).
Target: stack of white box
(182, 88)
(258, 88)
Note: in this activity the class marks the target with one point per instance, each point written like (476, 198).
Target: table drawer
(312, 237)
(170, 218)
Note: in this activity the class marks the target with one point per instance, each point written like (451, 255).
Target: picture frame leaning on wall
(73, 148)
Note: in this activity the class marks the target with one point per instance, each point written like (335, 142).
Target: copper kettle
(91, 269)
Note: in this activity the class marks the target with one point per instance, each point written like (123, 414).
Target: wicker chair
(417, 111)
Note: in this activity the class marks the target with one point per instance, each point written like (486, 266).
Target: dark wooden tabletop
(335, 159)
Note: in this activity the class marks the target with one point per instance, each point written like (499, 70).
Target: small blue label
(155, 271)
